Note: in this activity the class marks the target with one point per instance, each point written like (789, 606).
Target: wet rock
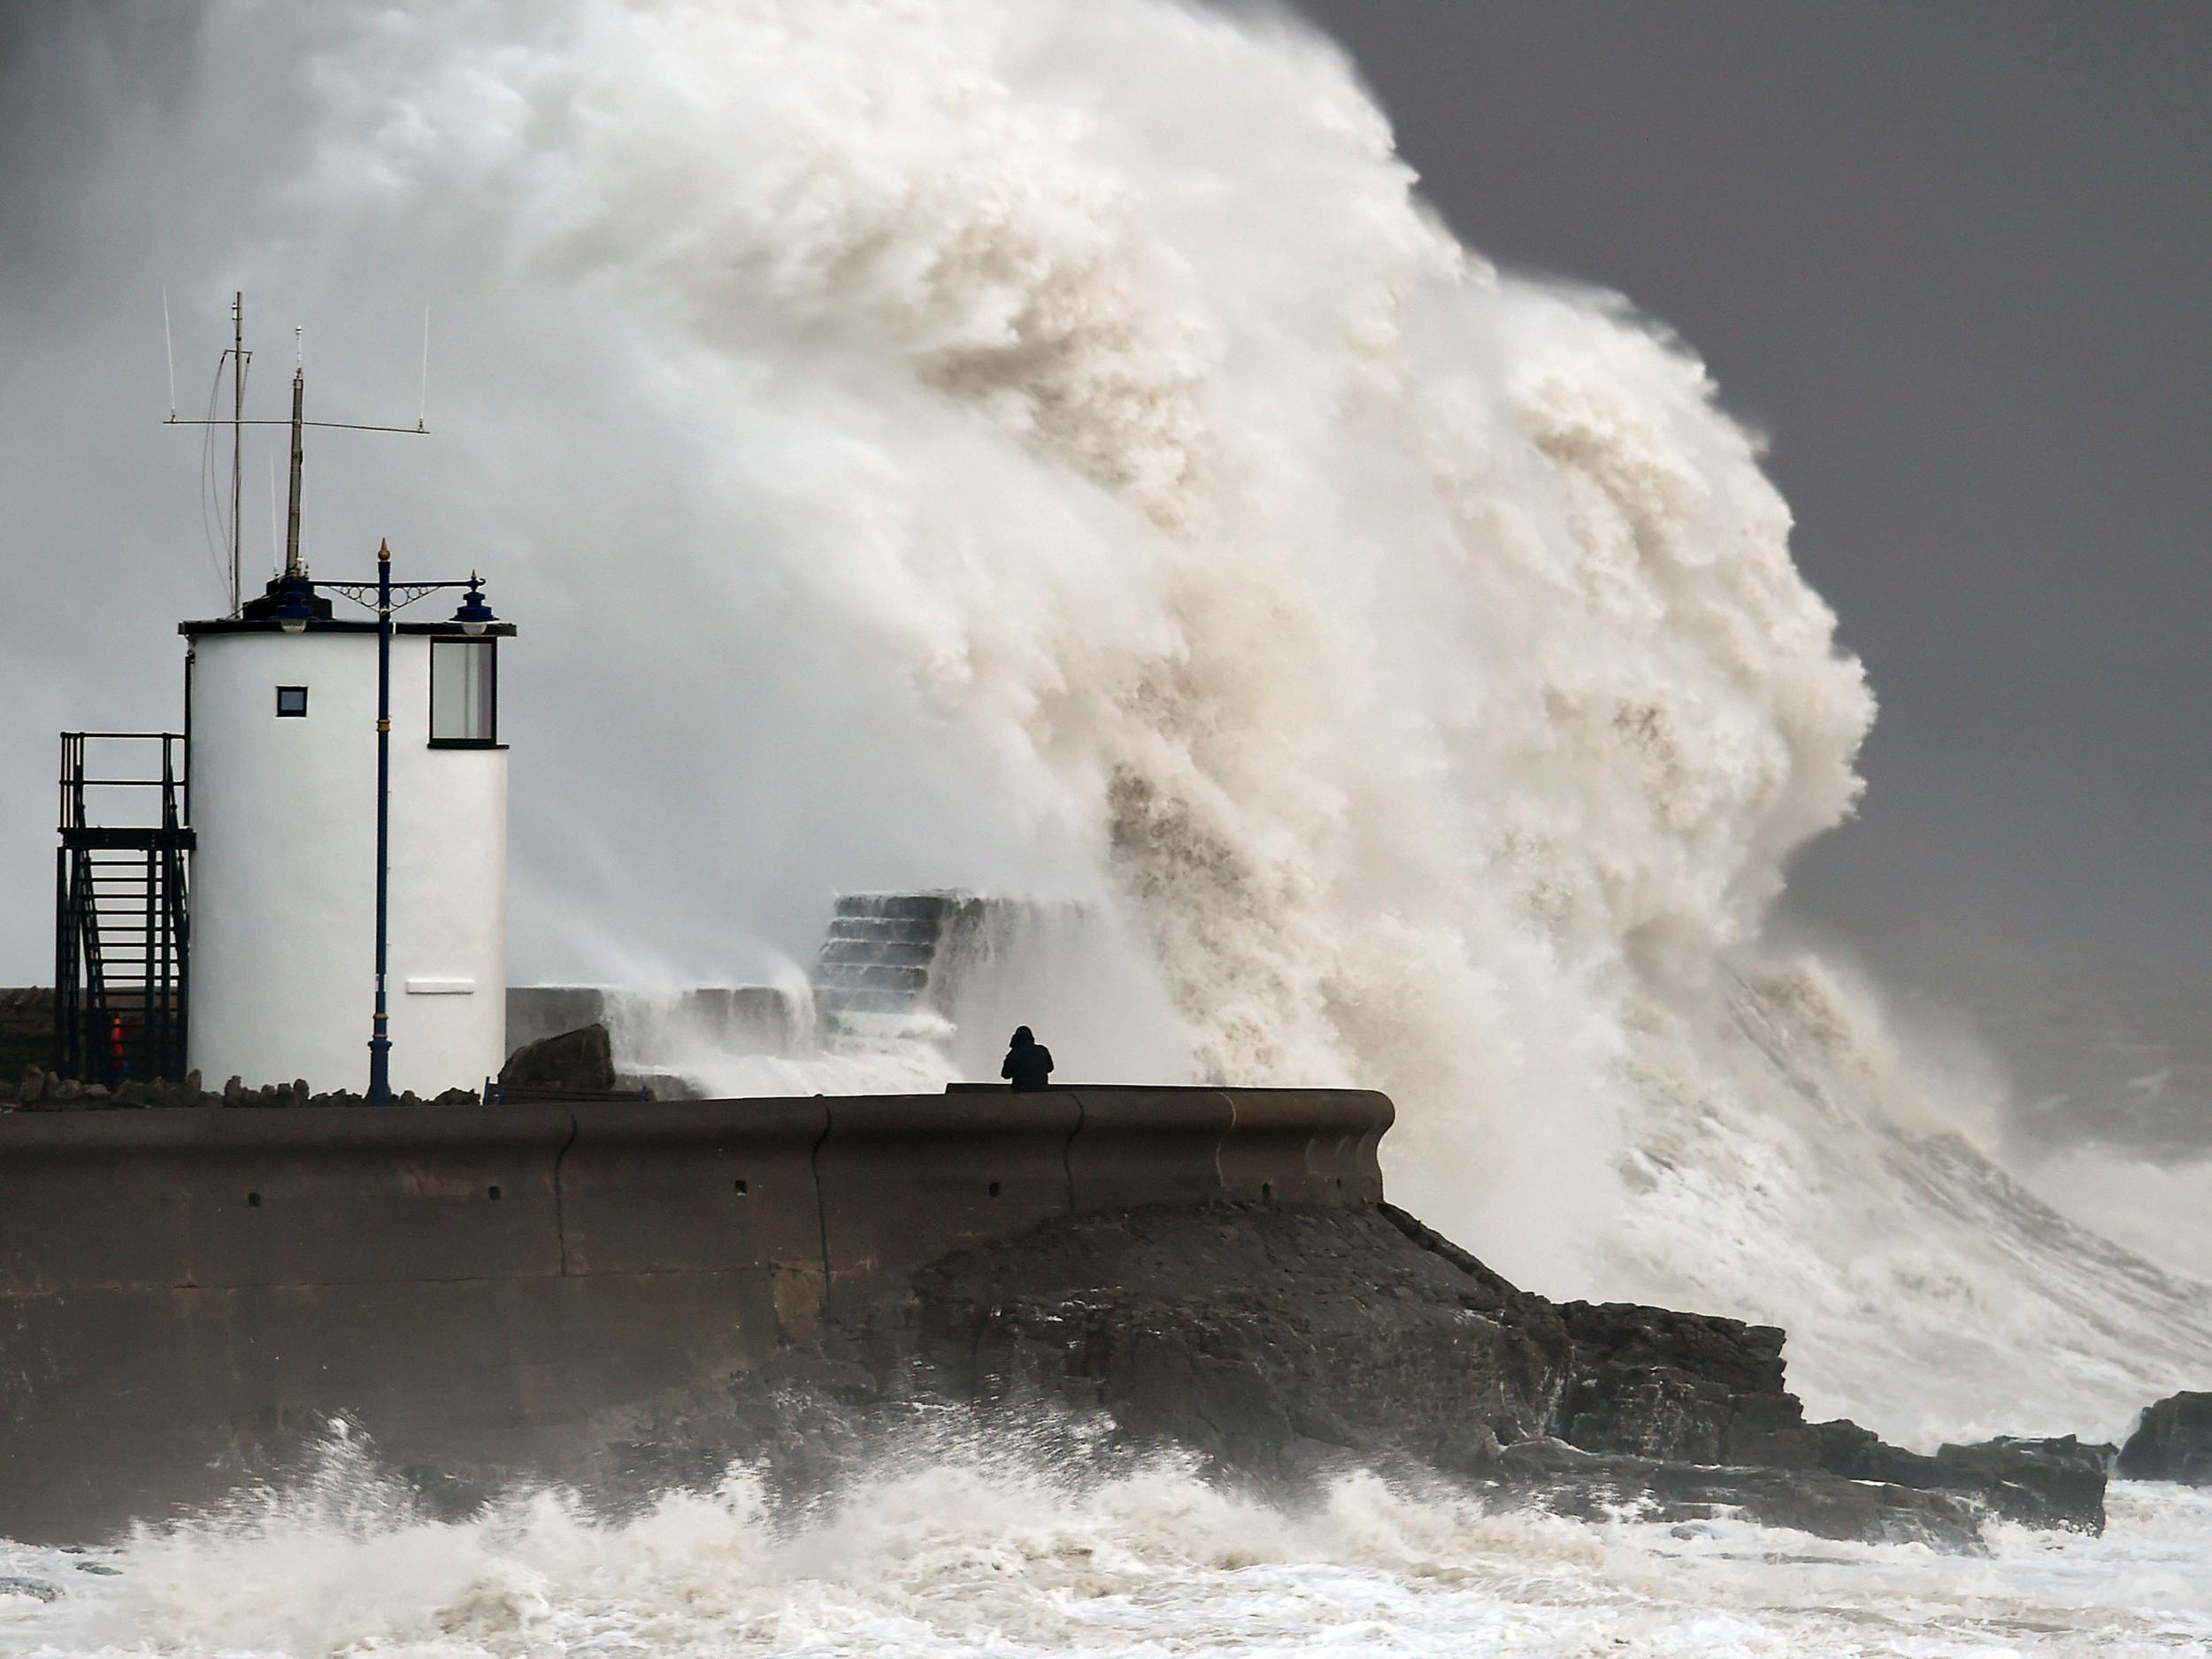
(2047, 1483)
(1685, 1387)
(1279, 1344)
(2050, 1483)
(581, 1059)
(1598, 1486)
(1493, 1291)
(37, 1589)
(2172, 1442)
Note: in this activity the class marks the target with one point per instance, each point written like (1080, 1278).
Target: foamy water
(956, 1559)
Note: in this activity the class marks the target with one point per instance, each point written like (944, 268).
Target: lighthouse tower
(281, 731)
(291, 770)
(281, 742)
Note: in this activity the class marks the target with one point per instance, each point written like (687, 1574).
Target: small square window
(292, 703)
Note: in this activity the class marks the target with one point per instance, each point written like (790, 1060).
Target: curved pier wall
(189, 1297)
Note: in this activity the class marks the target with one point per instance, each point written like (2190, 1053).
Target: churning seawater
(958, 1558)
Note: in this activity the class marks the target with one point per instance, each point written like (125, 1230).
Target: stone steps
(842, 952)
(884, 954)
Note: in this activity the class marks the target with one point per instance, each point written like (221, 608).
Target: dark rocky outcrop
(1280, 1343)
(2038, 1482)
(573, 1060)
(2172, 1442)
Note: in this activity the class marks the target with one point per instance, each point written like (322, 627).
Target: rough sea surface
(955, 1560)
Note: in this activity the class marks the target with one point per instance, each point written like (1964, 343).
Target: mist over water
(1049, 448)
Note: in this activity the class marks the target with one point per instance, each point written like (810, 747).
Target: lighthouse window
(292, 703)
(463, 692)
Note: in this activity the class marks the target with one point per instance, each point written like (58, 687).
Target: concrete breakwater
(189, 1298)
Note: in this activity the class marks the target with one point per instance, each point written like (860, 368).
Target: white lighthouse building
(281, 730)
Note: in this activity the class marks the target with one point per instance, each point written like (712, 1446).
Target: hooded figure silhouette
(1028, 1062)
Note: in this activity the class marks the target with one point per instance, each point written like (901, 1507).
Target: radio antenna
(422, 415)
(237, 435)
(292, 566)
(238, 358)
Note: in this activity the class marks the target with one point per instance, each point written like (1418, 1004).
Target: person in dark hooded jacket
(1028, 1062)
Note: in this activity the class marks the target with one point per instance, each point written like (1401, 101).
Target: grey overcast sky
(1953, 258)
(1956, 260)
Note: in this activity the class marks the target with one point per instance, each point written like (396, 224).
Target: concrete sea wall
(189, 1297)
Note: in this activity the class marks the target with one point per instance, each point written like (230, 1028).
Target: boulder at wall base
(581, 1059)
(2172, 1442)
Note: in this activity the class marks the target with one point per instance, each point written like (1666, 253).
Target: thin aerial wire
(211, 498)
(169, 348)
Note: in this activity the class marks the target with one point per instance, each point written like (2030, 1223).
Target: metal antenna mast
(237, 434)
(292, 567)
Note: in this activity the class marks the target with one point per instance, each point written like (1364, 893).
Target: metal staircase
(121, 926)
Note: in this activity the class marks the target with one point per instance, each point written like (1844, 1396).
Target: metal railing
(121, 921)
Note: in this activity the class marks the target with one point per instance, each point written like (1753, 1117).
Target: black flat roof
(269, 625)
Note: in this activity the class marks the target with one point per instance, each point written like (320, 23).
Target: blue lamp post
(379, 1027)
